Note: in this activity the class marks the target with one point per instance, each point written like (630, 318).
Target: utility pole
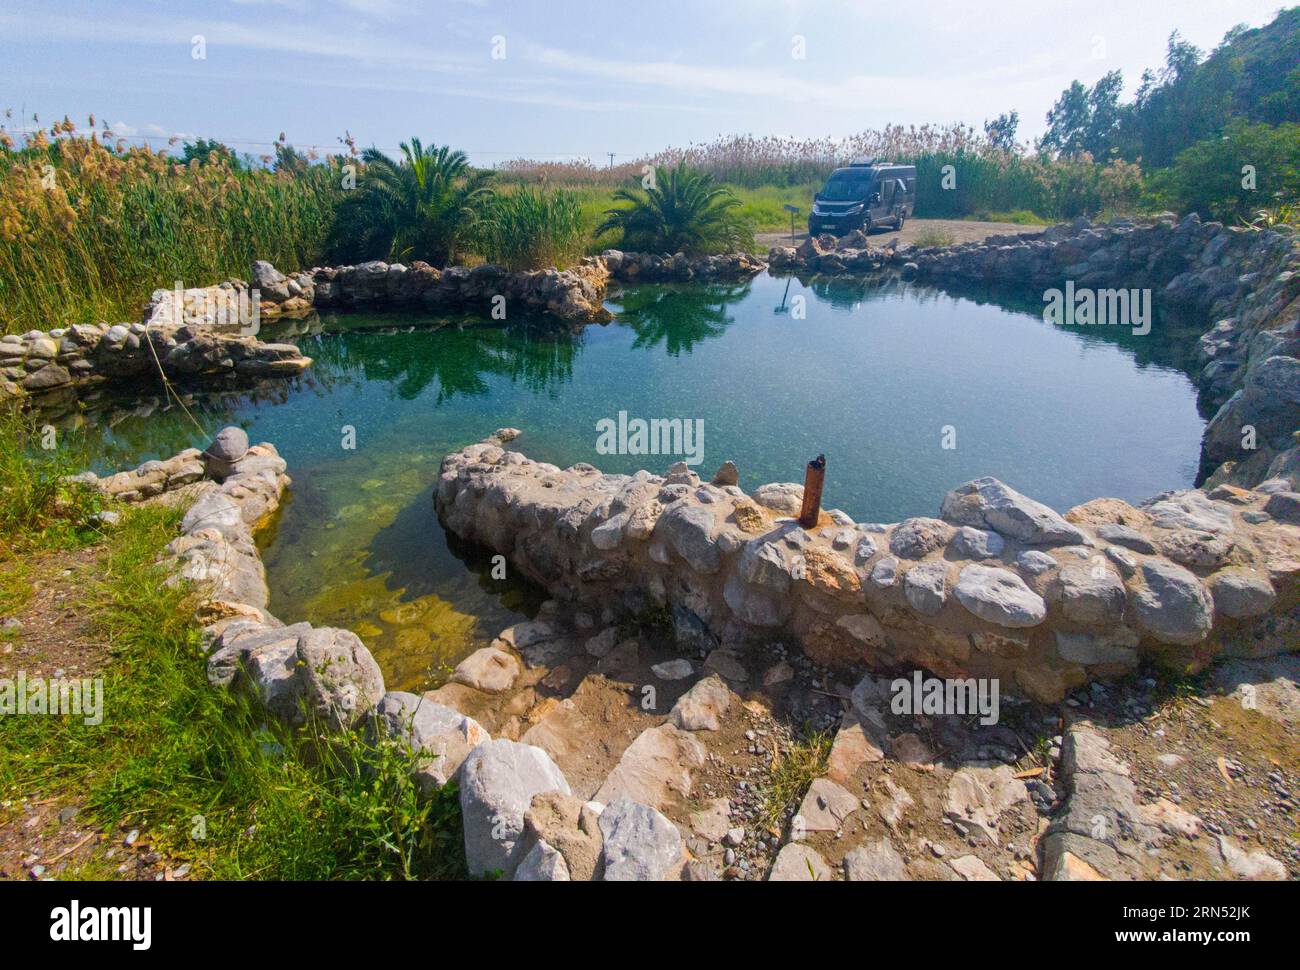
(611, 159)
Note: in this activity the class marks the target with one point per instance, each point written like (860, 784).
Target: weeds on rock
(793, 770)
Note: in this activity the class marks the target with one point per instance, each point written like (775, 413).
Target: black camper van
(866, 195)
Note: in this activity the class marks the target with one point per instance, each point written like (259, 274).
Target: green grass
(195, 767)
(1020, 217)
(932, 237)
(799, 765)
(762, 206)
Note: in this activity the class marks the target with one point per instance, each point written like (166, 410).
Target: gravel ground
(960, 231)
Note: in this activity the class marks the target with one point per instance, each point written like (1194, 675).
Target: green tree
(425, 206)
(289, 159)
(1001, 131)
(681, 210)
(207, 150)
(1085, 119)
(1067, 122)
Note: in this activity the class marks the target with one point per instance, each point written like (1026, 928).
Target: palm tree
(423, 207)
(682, 210)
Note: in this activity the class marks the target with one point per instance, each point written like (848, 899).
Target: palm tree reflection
(679, 317)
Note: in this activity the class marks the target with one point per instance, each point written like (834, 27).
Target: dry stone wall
(40, 362)
(572, 296)
(997, 585)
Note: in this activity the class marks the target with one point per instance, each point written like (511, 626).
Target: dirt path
(43, 834)
(958, 230)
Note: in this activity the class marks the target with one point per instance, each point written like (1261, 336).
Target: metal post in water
(812, 492)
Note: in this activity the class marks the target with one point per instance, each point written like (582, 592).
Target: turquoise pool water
(879, 379)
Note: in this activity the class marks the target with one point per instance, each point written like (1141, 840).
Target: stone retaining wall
(40, 362)
(996, 586)
(573, 296)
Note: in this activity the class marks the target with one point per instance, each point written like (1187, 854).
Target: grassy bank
(196, 768)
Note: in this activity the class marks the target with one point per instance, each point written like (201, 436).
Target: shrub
(37, 501)
(933, 238)
(682, 210)
(1208, 177)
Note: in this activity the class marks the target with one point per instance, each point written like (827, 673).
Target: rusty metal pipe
(812, 492)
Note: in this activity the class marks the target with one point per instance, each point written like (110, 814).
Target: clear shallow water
(871, 377)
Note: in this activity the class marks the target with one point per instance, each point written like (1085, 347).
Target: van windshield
(846, 188)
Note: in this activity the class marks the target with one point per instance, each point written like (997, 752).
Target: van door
(884, 209)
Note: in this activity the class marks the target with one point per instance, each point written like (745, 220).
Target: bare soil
(958, 230)
(43, 833)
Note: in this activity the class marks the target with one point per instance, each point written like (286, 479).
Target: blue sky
(577, 78)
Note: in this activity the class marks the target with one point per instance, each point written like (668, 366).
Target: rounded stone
(1172, 606)
(999, 596)
(1241, 593)
(230, 444)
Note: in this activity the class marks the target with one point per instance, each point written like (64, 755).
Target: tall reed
(89, 229)
(528, 227)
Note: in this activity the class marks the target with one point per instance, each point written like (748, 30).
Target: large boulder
(780, 496)
(489, 669)
(925, 586)
(271, 284)
(571, 827)
(340, 679)
(641, 845)
(689, 530)
(656, 767)
(987, 503)
(214, 510)
(1242, 593)
(300, 672)
(1090, 594)
(497, 785)
(915, 538)
(228, 447)
(701, 708)
(769, 565)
